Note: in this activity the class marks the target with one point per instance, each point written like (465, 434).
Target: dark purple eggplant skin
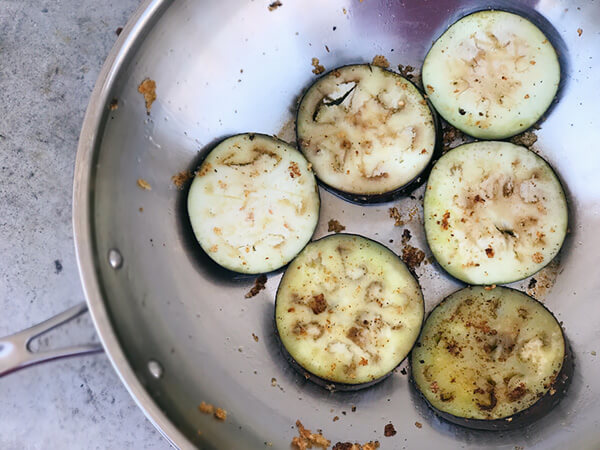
(332, 385)
(558, 389)
(365, 199)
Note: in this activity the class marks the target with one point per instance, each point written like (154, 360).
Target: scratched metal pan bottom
(180, 331)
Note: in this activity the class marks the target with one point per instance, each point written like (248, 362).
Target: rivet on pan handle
(15, 351)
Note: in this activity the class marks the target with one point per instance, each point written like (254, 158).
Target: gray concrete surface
(50, 54)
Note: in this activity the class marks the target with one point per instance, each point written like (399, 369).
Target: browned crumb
(306, 439)
(373, 445)
(537, 257)
(148, 89)
(273, 382)
(445, 218)
(389, 430)
(259, 285)
(353, 409)
(346, 446)
(144, 184)
(526, 139)
(418, 425)
(318, 68)
(408, 73)
(318, 304)
(294, 170)
(204, 169)
(141, 209)
(335, 226)
(220, 414)
(336, 418)
(273, 6)
(406, 236)
(412, 256)
(119, 30)
(490, 287)
(255, 337)
(579, 31)
(380, 61)
(395, 214)
(179, 179)
(450, 135)
(206, 408)
(489, 252)
(532, 283)
(434, 388)
(517, 392)
(518, 447)
(114, 104)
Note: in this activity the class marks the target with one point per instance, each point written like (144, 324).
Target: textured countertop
(50, 55)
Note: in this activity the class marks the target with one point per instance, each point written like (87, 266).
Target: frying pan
(178, 329)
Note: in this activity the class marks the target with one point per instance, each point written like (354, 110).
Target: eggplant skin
(407, 188)
(556, 392)
(329, 384)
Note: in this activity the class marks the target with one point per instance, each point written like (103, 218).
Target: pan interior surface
(223, 68)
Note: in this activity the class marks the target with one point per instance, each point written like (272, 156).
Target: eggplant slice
(492, 74)
(491, 359)
(348, 311)
(368, 132)
(494, 213)
(253, 204)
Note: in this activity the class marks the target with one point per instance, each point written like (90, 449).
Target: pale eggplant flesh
(492, 74)
(254, 203)
(347, 311)
(494, 213)
(369, 133)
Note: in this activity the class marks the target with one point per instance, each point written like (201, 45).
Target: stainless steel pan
(179, 330)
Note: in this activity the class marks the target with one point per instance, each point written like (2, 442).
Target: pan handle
(16, 353)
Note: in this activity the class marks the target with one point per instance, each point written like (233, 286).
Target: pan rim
(145, 15)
